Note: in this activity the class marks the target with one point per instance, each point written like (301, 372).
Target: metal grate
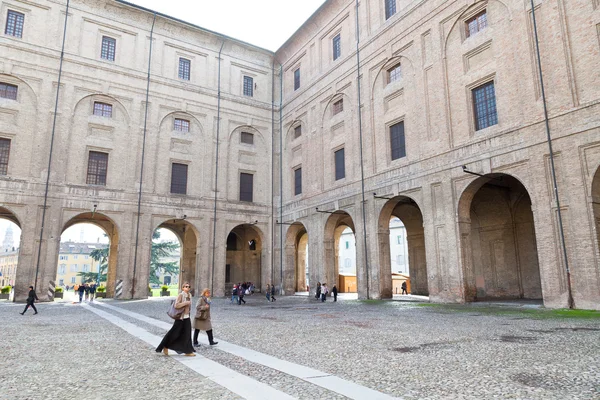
(109, 46)
(397, 141)
(297, 181)
(338, 106)
(97, 168)
(4, 153)
(484, 105)
(179, 174)
(476, 24)
(248, 86)
(8, 91)
(246, 137)
(184, 69)
(246, 186)
(14, 24)
(102, 109)
(182, 125)
(340, 165)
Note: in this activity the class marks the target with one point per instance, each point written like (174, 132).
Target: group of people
(323, 291)
(179, 337)
(240, 290)
(88, 289)
(270, 292)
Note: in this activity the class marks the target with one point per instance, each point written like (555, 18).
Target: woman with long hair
(202, 320)
(179, 336)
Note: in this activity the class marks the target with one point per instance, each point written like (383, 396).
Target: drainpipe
(62, 56)
(139, 207)
(362, 165)
(272, 162)
(281, 179)
(212, 275)
(552, 169)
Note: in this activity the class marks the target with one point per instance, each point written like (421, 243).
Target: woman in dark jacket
(31, 298)
(202, 320)
(179, 337)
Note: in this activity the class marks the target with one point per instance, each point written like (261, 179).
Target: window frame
(337, 106)
(99, 177)
(481, 23)
(181, 125)
(399, 150)
(105, 111)
(245, 195)
(249, 135)
(183, 73)
(16, 27)
(390, 8)
(8, 89)
(298, 181)
(337, 46)
(248, 86)
(297, 79)
(108, 55)
(179, 185)
(297, 131)
(394, 73)
(4, 155)
(490, 116)
(339, 169)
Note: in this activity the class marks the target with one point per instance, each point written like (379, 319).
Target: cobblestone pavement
(405, 350)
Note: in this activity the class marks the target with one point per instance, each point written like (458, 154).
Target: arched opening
(402, 248)
(244, 256)
(10, 234)
(296, 278)
(498, 242)
(340, 253)
(173, 257)
(88, 253)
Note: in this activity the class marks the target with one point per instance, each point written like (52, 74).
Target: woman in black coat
(31, 298)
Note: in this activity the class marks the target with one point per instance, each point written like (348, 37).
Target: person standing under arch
(31, 298)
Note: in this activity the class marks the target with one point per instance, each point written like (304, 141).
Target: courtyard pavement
(298, 347)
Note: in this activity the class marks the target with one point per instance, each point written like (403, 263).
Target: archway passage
(340, 254)
(244, 256)
(498, 243)
(296, 276)
(10, 239)
(173, 255)
(401, 233)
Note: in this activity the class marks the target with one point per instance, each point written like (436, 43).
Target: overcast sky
(264, 23)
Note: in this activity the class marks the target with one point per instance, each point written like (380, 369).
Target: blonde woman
(202, 320)
(179, 336)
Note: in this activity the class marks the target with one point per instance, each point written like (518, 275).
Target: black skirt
(179, 337)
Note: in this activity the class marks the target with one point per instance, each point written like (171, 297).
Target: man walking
(81, 289)
(404, 288)
(334, 291)
(31, 298)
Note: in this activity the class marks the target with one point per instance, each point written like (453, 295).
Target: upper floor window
(297, 131)
(298, 181)
(338, 106)
(395, 73)
(97, 168)
(246, 186)
(476, 24)
(297, 79)
(4, 153)
(248, 86)
(246, 137)
(179, 174)
(182, 125)
(109, 46)
(397, 141)
(390, 8)
(8, 91)
(337, 47)
(184, 69)
(102, 109)
(14, 24)
(484, 106)
(340, 165)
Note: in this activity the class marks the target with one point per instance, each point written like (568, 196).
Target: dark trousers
(335, 297)
(404, 291)
(240, 299)
(323, 297)
(27, 307)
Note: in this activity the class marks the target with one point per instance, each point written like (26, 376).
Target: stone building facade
(428, 111)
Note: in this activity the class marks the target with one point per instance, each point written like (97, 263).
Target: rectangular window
(61, 282)
(297, 79)
(247, 138)
(8, 91)
(476, 24)
(337, 47)
(394, 73)
(338, 106)
(397, 141)
(102, 109)
(179, 174)
(74, 268)
(184, 69)
(75, 257)
(390, 8)
(298, 181)
(484, 106)
(340, 165)
(97, 168)
(73, 279)
(14, 24)
(4, 153)
(109, 46)
(347, 245)
(62, 269)
(248, 86)
(182, 125)
(399, 239)
(246, 186)
(297, 131)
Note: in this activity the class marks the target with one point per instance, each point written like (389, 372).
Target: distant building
(8, 243)
(8, 265)
(74, 258)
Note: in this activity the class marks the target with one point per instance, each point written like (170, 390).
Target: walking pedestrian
(404, 288)
(334, 291)
(179, 337)
(241, 294)
(234, 293)
(92, 291)
(273, 293)
(202, 319)
(324, 291)
(268, 292)
(318, 294)
(87, 291)
(31, 298)
(81, 289)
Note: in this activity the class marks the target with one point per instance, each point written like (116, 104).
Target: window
(484, 106)
(97, 167)
(338, 106)
(399, 238)
(298, 181)
(64, 257)
(248, 86)
(75, 257)
(86, 268)
(73, 279)
(62, 269)
(297, 131)
(246, 186)
(397, 142)
(246, 137)
(61, 282)
(182, 125)
(394, 73)
(109, 46)
(179, 174)
(14, 24)
(347, 245)
(297, 79)
(102, 109)
(337, 47)
(390, 8)
(184, 69)
(8, 91)
(73, 268)
(340, 167)
(4, 153)
(476, 24)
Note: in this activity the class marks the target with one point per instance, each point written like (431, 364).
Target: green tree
(101, 257)
(161, 250)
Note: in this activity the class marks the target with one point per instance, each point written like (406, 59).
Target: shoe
(213, 343)
(165, 351)
(22, 313)
(35, 313)
(191, 354)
